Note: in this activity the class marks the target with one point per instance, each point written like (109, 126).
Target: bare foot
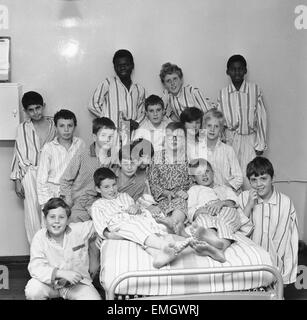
(205, 249)
(207, 235)
(165, 221)
(165, 256)
(178, 227)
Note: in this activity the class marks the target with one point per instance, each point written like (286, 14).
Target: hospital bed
(127, 272)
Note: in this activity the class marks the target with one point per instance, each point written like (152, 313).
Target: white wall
(198, 35)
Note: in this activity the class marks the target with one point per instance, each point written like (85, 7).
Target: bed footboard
(276, 294)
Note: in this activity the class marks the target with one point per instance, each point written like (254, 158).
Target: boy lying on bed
(116, 211)
(212, 210)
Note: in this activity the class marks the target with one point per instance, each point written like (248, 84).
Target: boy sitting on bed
(117, 211)
(212, 210)
(59, 257)
(274, 217)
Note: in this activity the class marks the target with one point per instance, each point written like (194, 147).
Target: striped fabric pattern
(276, 231)
(78, 176)
(119, 256)
(226, 167)
(245, 112)
(111, 96)
(53, 161)
(112, 214)
(187, 97)
(28, 147)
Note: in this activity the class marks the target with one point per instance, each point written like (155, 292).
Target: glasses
(175, 138)
(130, 162)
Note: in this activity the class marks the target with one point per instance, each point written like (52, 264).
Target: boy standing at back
(32, 135)
(273, 216)
(153, 127)
(118, 98)
(56, 155)
(242, 105)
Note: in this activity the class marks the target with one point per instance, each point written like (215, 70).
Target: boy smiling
(59, 257)
(273, 216)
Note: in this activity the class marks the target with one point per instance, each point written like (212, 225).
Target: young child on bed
(118, 212)
(59, 259)
(213, 207)
(274, 217)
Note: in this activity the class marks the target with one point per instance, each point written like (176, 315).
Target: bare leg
(167, 221)
(178, 218)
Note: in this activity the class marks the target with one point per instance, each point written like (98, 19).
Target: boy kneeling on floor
(59, 260)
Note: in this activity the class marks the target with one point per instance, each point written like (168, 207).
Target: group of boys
(51, 165)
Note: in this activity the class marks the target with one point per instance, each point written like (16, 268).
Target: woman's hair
(191, 114)
(55, 203)
(175, 125)
(169, 68)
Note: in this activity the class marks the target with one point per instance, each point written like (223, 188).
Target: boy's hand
(154, 210)
(215, 207)
(134, 209)
(98, 242)
(182, 194)
(252, 197)
(201, 210)
(19, 189)
(72, 277)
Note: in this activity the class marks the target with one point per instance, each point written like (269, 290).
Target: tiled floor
(18, 277)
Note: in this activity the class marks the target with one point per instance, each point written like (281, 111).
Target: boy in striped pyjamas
(118, 212)
(31, 136)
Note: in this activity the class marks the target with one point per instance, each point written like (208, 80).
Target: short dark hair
(169, 68)
(123, 53)
(103, 173)
(176, 125)
(30, 98)
(195, 163)
(136, 149)
(153, 100)
(259, 166)
(54, 203)
(65, 114)
(191, 114)
(236, 58)
(103, 122)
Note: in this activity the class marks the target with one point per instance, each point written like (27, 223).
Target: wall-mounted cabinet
(9, 110)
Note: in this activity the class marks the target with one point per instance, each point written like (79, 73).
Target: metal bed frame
(274, 294)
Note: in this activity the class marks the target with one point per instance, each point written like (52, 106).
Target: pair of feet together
(203, 241)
